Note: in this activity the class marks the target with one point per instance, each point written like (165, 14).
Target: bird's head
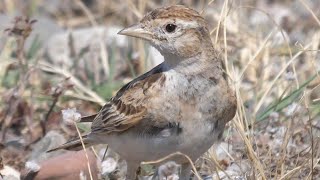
(175, 31)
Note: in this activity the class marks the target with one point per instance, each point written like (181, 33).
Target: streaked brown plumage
(181, 105)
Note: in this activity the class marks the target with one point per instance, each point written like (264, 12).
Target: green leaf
(34, 48)
(10, 78)
(106, 90)
(282, 103)
(84, 127)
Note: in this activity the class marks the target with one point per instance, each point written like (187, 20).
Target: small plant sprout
(70, 116)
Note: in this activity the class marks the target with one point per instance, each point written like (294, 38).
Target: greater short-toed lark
(180, 105)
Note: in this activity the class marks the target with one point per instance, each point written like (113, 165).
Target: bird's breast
(185, 98)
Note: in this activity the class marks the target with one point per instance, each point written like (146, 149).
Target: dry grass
(275, 134)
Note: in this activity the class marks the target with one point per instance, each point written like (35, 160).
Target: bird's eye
(170, 28)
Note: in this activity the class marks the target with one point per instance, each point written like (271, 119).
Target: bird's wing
(89, 118)
(129, 106)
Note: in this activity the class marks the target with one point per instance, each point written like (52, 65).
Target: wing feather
(129, 106)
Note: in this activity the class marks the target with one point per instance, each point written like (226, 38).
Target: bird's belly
(194, 140)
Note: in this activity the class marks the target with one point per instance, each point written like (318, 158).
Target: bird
(181, 105)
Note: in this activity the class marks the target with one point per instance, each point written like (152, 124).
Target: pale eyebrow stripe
(189, 24)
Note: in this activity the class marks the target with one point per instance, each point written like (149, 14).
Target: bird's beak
(136, 31)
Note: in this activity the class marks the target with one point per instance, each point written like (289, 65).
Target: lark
(181, 105)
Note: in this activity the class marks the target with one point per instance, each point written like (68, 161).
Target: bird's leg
(185, 171)
(132, 170)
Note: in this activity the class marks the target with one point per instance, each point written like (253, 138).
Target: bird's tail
(75, 144)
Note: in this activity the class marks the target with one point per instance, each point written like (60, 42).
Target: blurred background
(57, 54)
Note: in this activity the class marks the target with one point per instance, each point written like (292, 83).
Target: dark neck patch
(172, 128)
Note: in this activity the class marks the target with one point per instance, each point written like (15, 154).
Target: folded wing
(129, 106)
